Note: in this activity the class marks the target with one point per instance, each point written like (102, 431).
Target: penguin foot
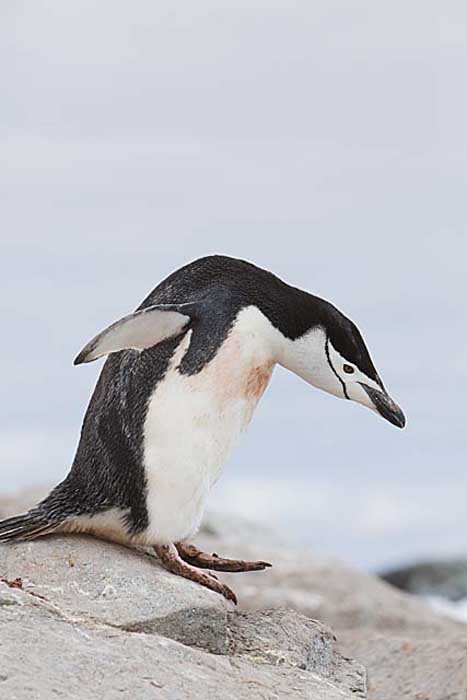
(171, 561)
(194, 556)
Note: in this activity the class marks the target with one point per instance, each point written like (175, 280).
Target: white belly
(194, 421)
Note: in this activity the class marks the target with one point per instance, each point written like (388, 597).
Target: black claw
(231, 596)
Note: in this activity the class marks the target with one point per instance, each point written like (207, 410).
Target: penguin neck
(305, 356)
(251, 341)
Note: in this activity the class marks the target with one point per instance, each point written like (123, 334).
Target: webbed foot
(170, 560)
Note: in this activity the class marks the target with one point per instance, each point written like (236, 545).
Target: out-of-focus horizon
(325, 142)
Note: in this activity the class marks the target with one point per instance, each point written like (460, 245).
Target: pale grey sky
(325, 141)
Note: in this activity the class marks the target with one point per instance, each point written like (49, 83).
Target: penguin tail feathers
(25, 527)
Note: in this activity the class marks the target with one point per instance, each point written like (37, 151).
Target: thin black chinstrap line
(344, 388)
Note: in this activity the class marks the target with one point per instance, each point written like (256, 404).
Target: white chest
(194, 421)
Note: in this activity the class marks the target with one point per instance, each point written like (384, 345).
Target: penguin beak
(384, 405)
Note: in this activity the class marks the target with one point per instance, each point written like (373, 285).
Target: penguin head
(332, 356)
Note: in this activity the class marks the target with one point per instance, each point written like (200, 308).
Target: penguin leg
(194, 556)
(171, 561)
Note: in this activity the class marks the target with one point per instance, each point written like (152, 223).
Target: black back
(108, 467)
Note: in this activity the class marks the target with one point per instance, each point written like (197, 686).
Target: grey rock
(104, 582)
(85, 619)
(447, 579)
(432, 668)
(263, 651)
(410, 651)
(44, 657)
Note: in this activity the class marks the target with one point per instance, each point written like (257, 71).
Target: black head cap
(347, 340)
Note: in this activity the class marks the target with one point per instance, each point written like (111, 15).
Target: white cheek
(306, 357)
(325, 379)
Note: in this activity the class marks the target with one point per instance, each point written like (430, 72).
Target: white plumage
(194, 421)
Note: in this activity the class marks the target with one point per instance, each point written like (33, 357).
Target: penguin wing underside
(138, 331)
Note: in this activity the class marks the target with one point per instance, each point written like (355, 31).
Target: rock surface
(111, 623)
(410, 651)
(85, 619)
(432, 578)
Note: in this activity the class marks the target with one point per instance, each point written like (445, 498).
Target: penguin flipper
(138, 331)
(25, 527)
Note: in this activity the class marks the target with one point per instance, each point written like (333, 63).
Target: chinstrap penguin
(182, 379)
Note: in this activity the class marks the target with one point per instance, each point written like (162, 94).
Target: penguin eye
(348, 369)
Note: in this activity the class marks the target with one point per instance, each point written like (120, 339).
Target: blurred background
(324, 141)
